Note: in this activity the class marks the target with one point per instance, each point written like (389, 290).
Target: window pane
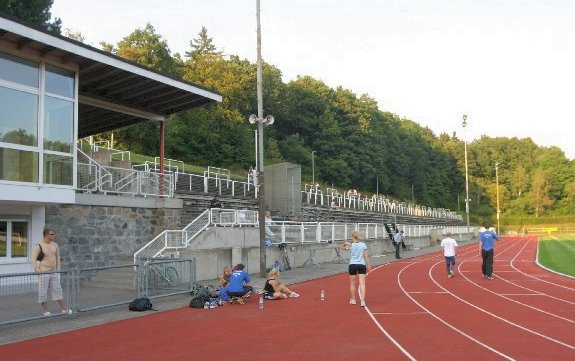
(57, 169)
(18, 117)
(59, 81)
(3, 234)
(19, 70)
(58, 124)
(19, 239)
(18, 165)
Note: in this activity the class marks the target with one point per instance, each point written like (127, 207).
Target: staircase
(391, 229)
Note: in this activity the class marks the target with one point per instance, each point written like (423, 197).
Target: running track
(414, 313)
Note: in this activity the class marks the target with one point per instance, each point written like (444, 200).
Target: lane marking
(395, 342)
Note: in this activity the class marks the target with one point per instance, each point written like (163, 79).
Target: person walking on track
(359, 266)
(449, 245)
(487, 241)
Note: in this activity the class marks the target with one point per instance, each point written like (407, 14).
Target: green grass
(558, 253)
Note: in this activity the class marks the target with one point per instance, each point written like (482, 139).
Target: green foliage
(356, 144)
(33, 12)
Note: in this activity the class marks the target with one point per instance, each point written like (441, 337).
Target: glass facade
(13, 239)
(19, 117)
(58, 169)
(18, 165)
(36, 122)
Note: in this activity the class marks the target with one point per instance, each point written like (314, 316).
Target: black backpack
(140, 304)
(199, 301)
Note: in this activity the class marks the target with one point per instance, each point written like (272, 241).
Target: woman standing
(359, 265)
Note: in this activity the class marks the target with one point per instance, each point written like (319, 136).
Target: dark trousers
(487, 265)
(397, 247)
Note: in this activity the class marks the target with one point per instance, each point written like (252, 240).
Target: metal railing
(175, 240)
(87, 289)
(111, 180)
(383, 205)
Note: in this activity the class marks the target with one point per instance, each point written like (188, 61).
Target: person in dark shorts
(239, 285)
(359, 266)
(274, 289)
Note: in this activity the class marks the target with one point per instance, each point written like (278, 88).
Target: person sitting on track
(274, 290)
(239, 285)
(225, 277)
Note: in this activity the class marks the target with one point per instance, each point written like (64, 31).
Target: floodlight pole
(466, 175)
(497, 191)
(260, 166)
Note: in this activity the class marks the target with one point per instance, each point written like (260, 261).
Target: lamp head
(253, 119)
(464, 120)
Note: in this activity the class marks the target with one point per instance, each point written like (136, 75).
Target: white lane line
(540, 265)
(504, 319)
(381, 328)
(535, 279)
(401, 313)
(461, 332)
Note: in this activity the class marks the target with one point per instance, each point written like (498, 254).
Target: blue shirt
(357, 249)
(237, 280)
(487, 239)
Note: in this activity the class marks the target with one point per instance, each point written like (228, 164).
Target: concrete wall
(218, 247)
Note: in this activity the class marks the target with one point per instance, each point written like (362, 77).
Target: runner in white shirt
(449, 245)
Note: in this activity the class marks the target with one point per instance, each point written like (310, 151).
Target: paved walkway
(43, 327)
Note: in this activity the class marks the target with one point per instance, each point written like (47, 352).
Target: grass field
(558, 253)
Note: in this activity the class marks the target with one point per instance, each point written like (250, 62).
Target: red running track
(414, 312)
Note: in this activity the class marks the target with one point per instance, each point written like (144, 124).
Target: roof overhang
(113, 92)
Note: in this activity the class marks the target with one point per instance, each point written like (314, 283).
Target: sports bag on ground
(140, 304)
(199, 301)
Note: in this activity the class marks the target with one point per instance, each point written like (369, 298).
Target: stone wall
(95, 235)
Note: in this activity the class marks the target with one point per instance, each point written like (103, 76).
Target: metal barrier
(19, 296)
(88, 289)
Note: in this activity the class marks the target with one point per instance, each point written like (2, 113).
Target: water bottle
(261, 302)
(322, 295)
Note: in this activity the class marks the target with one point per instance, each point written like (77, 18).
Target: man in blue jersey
(238, 285)
(487, 238)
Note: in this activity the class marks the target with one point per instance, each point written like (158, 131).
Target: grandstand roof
(112, 92)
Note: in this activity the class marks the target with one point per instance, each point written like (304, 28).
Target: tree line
(355, 143)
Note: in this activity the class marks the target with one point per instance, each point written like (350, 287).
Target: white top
(448, 245)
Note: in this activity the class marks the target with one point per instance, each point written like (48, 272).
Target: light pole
(464, 124)
(497, 191)
(268, 120)
(313, 168)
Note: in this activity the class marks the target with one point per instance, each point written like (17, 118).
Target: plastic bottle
(322, 295)
(261, 302)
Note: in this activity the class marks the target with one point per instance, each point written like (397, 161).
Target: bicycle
(161, 273)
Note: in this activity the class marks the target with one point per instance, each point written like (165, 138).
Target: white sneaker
(352, 302)
(47, 313)
(66, 312)
(293, 295)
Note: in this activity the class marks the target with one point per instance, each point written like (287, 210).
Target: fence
(88, 289)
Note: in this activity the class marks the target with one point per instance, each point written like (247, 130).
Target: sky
(508, 64)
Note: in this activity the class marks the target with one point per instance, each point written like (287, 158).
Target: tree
(32, 12)
(202, 46)
(539, 197)
(146, 47)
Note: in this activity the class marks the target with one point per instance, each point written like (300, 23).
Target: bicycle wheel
(171, 276)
